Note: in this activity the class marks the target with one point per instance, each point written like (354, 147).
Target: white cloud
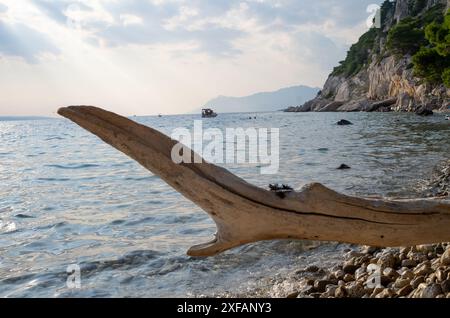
(129, 19)
(153, 56)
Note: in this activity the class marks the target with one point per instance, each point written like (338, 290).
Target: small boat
(447, 117)
(208, 113)
(159, 115)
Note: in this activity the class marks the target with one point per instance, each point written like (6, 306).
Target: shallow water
(68, 198)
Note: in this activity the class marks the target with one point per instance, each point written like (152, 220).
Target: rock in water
(423, 111)
(344, 122)
(343, 167)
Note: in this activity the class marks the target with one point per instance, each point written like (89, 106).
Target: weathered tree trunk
(244, 213)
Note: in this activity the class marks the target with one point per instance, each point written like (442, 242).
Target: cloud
(132, 55)
(54, 9)
(18, 40)
(214, 25)
(3, 8)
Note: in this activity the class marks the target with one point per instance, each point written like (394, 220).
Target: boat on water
(208, 113)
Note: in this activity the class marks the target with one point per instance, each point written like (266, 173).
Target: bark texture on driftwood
(245, 213)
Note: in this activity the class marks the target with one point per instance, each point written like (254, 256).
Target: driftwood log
(245, 213)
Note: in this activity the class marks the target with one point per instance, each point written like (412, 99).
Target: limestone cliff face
(386, 82)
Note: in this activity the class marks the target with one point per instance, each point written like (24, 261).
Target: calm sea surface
(68, 198)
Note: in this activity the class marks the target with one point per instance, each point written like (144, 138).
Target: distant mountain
(20, 118)
(260, 102)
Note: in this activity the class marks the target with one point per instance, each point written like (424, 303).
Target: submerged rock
(423, 111)
(344, 122)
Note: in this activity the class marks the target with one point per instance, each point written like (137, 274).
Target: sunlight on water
(68, 198)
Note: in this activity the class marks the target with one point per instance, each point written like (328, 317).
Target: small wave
(148, 219)
(24, 216)
(51, 226)
(117, 222)
(139, 178)
(165, 266)
(53, 179)
(73, 166)
(129, 260)
(193, 231)
(54, 138)
(17, 279)
(6, 209)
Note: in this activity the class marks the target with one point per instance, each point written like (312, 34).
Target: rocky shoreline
(421, 271)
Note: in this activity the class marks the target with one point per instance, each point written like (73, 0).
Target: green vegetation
(432, 62)
(358, 55)
(424, 35)
(406, 37)
(446, 77)
(417, 6)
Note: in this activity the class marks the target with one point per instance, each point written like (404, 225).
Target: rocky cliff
(379, 76)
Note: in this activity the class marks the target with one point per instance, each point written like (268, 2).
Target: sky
(144, 57)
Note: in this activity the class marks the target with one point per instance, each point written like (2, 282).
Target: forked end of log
(244, 213)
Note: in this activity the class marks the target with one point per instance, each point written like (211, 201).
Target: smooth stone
(404, 291)
(439, 249)
(409, 263)
(417, 281)
(307, 290)
(349, 278)
(441, 275)
(445, 286)
(386, 293)
(425, 248)
(330, 290)
(339, 274)
(312, 269)
(445, 258)
(387, 260)
(405, 250)
(391, 273)
(431, 291)
(340, 292)
(376, 291)
(360, 272)
(349, 267)
(355, 290)
(369, 249)
(320, 285)
(423, 270)
(293, 295)
(400, 283)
